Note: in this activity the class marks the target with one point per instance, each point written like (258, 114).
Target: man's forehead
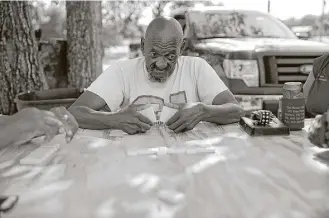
(170, 49)
(170, 31)
(161, 40)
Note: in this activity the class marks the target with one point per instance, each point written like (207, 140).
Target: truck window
(226, 24)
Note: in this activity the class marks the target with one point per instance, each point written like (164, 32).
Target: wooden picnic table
(94, 176)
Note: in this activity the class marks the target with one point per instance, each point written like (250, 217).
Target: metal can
(292, 106)
(280, 109)
(292, 90)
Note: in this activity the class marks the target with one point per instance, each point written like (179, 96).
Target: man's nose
(161, 64)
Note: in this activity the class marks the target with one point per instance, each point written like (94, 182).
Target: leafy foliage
(50, 18)
(159, 6)
(121, 18)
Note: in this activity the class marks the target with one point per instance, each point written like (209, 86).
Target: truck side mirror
(303, 36)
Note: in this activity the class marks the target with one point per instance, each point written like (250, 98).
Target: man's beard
(160, 76)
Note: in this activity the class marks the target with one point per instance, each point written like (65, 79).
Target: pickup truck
(254, 53)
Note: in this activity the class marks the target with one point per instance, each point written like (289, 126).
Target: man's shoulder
(192, 63)
(192, 60)
(126, 66)
(129, 62)
(320, 60)
(191, 66)
(320, 63)
(322, 57)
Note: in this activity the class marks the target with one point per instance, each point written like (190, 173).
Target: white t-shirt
(126, 82)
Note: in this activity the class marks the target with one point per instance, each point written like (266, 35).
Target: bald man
(161, 77)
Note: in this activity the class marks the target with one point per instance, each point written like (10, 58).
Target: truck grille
(281, 69)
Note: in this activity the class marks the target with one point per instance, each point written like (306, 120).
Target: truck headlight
(246, 70)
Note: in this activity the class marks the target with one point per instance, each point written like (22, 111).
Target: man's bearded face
(161, 57)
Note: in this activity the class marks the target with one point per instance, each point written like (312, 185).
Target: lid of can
(292, 85)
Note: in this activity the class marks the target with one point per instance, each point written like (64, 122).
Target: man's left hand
(187, 117)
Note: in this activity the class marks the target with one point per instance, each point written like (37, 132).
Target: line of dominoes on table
(171, 150)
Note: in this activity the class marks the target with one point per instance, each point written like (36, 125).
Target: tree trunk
(84, 23)
(20, 69)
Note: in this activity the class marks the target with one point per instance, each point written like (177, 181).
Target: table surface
(94, 177)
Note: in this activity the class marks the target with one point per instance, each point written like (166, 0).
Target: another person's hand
(318, 132)
(186, 118)
(70, 124)
(130, 121)
(32, 122)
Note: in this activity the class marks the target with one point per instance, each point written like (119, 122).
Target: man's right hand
(130, 121)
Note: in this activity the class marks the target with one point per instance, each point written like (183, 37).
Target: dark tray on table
(276, 127)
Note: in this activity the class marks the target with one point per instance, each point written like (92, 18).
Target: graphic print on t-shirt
(178, 98)
(193, 80)
(157, 103)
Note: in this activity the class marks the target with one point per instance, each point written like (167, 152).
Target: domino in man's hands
(167, 113)
(149, 113)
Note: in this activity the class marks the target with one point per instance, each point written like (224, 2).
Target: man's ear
(142, 44)
(182, 49)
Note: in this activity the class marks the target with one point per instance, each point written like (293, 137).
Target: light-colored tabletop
(209, 172)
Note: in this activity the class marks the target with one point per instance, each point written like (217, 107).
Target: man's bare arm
(86, 111)
(224, 109)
